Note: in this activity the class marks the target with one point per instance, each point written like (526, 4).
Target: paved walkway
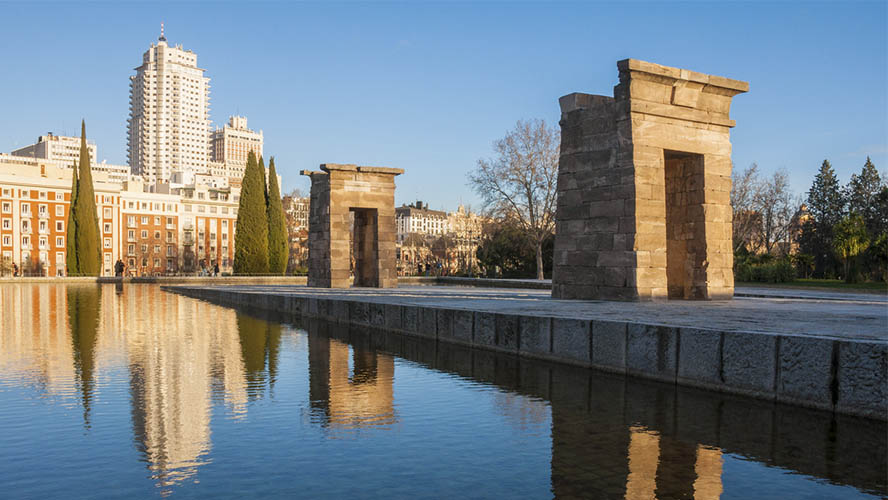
(805, 313)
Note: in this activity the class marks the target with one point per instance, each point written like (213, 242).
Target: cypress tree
(264, 178)
(277, 226)
(86, 231)
(251, 235)
(70, 247)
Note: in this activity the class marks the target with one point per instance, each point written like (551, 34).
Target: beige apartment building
(230, 145)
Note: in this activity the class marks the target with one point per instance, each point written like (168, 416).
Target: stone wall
(644, 188)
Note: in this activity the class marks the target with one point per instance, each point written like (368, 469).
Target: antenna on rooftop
(162, 38)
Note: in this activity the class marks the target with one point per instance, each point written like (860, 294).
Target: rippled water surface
(133, 392)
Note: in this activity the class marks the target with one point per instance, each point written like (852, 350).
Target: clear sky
(427, 87)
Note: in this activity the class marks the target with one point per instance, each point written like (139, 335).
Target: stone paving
(827, 314)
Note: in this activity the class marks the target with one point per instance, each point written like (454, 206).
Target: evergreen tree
(862, 192)
(826, 204)
(277, 226)
(264, 178)
(251, 234)
(70, 247)
(86, 232)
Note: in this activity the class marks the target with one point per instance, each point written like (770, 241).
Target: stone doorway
(685, 230)
(365, 246)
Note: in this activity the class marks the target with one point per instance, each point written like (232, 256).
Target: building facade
(169, 122)
(57, 147)
(169, 230)
(230, 145)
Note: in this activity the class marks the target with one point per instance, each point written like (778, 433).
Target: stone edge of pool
(847, 376)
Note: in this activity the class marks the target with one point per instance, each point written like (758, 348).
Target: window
(107, 227)
(144, 234)
(42, 195)
(131, 250)
(144, 248)
(130, 205)
(107, 242)
(156, 262)
(156, 235)
(7, 223)
(157, 221)
(171, 222)
(171, 250)
(26, 193)
(43, 226)
(131, 262)
(170, 236)
(60, 241)
(7, 240)
(43, 243)
(7, 207)
(144, 220)
(60, 226)
(60, 210)
(26, 209)
(26, 241)
(212, 210)
(26, 226)
(106, 212)
(59, 196)
(6, 192)
(201, 208)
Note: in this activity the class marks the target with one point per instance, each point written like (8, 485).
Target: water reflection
(346, 398)
(182, 360)
(83, 324)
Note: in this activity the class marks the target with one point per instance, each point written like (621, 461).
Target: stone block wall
(644, 188)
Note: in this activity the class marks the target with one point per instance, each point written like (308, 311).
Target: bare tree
(743, 192)
(774, 202)
(519, 183)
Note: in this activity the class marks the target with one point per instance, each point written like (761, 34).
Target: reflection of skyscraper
(176, 351)
(350, 399)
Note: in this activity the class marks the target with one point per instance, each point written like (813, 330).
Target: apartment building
(230, 145)
(418, 218)
(65, 151)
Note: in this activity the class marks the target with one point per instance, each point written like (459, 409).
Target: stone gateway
(342, 195)
(644, 186)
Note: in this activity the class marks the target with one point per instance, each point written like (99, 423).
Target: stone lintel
(349, 167)
(678, 74)
(311, 172)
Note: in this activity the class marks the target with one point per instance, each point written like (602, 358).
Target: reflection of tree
(83, 320)
(260, 347)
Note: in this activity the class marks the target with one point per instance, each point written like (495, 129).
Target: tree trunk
(539, 249)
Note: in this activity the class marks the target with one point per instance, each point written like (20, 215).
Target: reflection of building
(350, 399)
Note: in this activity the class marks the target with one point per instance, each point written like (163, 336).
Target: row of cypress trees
(260, 241)
(83, 255)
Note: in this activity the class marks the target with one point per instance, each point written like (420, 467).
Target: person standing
(216, 269)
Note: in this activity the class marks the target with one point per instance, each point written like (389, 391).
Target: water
(131, 392)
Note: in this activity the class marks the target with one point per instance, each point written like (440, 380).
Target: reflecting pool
(129, 391)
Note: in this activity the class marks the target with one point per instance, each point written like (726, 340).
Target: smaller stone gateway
(338, 193)
(644, 184)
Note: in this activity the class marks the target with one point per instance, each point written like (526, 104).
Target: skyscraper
(169, 122)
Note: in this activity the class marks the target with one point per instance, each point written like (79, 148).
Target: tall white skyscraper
(169, 122)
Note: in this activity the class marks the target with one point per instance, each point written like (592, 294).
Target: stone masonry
(338, 193)
(644, 187)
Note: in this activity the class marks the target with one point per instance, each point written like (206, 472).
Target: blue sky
(427, 87)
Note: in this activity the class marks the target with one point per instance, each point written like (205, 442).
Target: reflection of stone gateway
(644, 186)
(336, 193)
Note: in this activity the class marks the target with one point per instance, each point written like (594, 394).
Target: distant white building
(57, 147)
(418, 218)
(169, 122)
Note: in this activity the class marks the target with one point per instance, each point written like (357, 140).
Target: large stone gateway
(342, 195)
(644, 187)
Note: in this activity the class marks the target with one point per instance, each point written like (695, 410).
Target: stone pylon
(644, 188)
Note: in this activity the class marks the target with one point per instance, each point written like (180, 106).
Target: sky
(428, 87)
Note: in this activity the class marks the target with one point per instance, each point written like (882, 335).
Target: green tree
(251, 234)
(850, 240)
(826, 204)
(863, 192)
(70, 247)
(277, 225)
(87, 245)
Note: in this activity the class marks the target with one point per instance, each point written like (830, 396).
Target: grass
(833, 285)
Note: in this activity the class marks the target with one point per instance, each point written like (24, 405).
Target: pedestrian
(15, 269)
(216, 269)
